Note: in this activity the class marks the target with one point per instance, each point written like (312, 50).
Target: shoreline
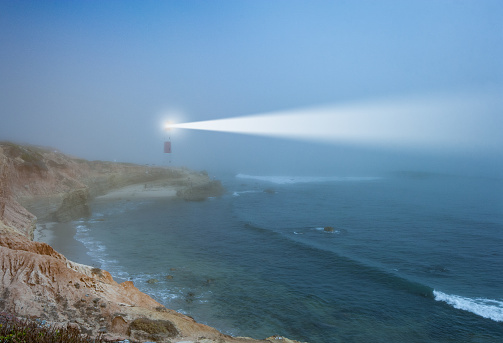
(45, 198)
(62, 236)
(145, 190)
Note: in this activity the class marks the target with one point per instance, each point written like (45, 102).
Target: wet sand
(147, 190)
(61, 236)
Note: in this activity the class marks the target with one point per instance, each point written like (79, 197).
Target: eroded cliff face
(38, 282)
(48, 185)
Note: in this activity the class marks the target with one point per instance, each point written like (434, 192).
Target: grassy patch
(25, 331)
(97, 271)
(163, 327)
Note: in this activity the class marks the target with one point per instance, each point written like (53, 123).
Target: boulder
(157, 330)
(201, 191)
(75, 205)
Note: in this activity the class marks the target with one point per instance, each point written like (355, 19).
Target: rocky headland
(37, 282)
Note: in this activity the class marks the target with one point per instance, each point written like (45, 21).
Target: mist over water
(412, 256)
(99, 80)
(380, 119)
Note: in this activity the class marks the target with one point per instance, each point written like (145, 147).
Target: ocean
(411, 257)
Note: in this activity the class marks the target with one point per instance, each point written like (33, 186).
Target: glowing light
(167, 117)
(440, 122)
(168, 125)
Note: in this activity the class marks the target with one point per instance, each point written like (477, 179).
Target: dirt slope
(38, 282)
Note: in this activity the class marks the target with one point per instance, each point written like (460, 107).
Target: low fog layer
(99, 80)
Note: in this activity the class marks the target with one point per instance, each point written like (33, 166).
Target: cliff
(38, 282)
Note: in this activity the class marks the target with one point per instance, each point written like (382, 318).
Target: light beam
(462, 121)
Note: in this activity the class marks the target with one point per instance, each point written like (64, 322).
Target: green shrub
(27, 331)
(163, 327)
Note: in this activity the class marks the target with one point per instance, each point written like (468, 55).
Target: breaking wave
(281, 180)
(487, 308)
(238, 193)
(97, 251)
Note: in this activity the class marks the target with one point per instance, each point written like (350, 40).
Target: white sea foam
(159, 289)
(236, 194)
(167, 292)
(281, 180)
(487, 308)
(97, 251)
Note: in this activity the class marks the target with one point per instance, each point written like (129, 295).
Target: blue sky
(97, 78)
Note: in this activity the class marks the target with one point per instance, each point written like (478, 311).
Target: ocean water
(413, 257)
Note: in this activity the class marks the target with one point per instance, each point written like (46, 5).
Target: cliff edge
(37, 282)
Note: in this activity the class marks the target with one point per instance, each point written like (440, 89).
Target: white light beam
(448, 122)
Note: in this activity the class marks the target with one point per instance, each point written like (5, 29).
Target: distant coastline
(49, 188)
(61, 236)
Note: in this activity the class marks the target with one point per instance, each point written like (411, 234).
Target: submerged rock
(328, 229)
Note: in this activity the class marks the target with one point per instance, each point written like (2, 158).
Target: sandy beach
(143, 190)
(49, 197)
(44, 233)
(61, 236)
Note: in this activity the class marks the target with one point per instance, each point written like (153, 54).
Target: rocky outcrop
(16, 216)
(201, 191)
(38, 282)
(75, 204)
(54, 186)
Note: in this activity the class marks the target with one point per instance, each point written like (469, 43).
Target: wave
(487, 308)
(305, 230)
(238, 193)
(281, 180)
(98, 252)
(161, 289)
(346, 262)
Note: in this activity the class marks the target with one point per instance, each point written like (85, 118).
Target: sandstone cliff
(38, 282)
(54, 186)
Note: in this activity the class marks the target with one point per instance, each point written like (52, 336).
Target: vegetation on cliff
(37, 282)
(15, 330)
(54, 186)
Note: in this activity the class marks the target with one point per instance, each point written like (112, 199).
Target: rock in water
(75, 205)
(201, 191)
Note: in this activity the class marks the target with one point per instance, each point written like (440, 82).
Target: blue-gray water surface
(412, 257)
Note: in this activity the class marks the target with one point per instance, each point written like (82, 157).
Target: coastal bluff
(37, 282)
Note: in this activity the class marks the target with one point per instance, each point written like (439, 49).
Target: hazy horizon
(97, 80)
